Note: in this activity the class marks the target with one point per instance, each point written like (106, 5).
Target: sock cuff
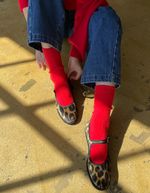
(53, 59)
(47, 49)
(55, 71)
(104, 96)
(106, 87)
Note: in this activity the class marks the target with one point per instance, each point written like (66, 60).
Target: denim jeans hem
(91, 80)
(34, 41)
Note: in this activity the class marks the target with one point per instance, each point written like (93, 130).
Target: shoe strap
(84, 91)
(94, 142)
(99, 141)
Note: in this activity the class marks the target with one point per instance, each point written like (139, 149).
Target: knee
(111, 18)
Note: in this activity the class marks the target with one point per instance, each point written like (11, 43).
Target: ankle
(98, 153)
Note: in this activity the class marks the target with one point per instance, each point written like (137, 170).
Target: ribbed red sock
(99, 124)
(58, 76)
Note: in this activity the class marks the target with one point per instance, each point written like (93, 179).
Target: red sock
(100, 122)
(58, 76)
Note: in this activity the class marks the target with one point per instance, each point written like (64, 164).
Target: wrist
(75, 53)
(74, 60)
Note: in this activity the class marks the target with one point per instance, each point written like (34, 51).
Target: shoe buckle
(84, 93)
(108, 139)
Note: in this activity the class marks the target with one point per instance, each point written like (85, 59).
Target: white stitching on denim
(113, 69)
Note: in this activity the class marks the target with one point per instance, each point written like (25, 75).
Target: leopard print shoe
(99, 174)
(67, 113)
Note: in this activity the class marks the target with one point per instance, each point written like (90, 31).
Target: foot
(99, 174)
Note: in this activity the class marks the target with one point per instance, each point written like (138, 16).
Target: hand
(25, 12)
(40, 60)
(74, 68)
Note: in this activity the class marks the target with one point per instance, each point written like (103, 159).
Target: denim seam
(101, 75)
(101, 78)
(30, 18)
(61, 21)
(42, 37)
(115, 46)
(58, 29)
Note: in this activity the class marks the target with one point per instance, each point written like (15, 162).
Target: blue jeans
(49, 22)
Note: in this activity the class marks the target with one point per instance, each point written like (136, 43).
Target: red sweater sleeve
(22, 4)
(84, 10)
(70, 4)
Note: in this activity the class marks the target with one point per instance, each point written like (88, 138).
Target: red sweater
(84, 10)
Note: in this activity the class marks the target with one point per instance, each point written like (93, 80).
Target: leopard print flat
(67, 113)
(99, 174)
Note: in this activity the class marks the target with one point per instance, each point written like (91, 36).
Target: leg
(106, 83)
(46, 30)
(104, 55)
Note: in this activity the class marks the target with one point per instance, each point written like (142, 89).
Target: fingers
(71, 74)
(74, 74)
(74, 68)
(38, 64)
(44, 67)
(40, 60)
(68, 73)
(41, 65)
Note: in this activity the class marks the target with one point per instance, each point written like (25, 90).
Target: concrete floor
(41, 154)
